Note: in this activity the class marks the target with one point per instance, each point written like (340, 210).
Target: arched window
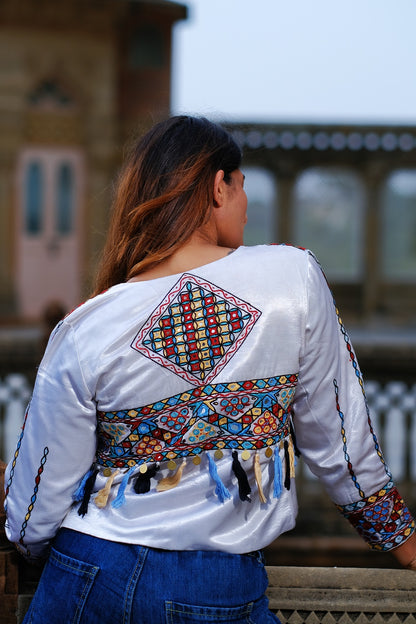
(261, 209)
(398, 227)
(64, 199)
(328, 220)
(33, 198)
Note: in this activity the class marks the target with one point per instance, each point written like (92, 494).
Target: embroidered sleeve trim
(16, 453)
(34, 495)
(359, 377)
(382, 519)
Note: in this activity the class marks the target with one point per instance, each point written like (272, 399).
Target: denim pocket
(177, 613)
(62, 591)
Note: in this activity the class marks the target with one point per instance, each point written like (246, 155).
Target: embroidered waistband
(243, 415)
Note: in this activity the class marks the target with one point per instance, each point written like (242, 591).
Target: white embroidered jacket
(192, 381)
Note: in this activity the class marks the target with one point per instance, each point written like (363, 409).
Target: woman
(158, 448)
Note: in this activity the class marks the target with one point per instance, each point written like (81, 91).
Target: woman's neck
(193, 254)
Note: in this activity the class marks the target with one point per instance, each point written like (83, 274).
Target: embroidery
(196, 329)
(344, 440)
(361, 382)
(34, 495)
(382, 519)
(242, 415)
(16, 453)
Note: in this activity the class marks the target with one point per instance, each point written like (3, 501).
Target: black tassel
(295, 446)
(244, 488)
(142, 481)
(287, 465)
(89, 486)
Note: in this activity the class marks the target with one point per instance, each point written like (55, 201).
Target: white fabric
(89, 364)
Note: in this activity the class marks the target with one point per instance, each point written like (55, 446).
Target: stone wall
(343, 595)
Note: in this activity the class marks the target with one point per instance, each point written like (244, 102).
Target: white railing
(15, 392)
(392, 407)
(393, 414)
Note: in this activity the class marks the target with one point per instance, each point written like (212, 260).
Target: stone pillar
(284, 173)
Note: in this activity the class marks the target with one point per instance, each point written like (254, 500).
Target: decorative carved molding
(342, 595)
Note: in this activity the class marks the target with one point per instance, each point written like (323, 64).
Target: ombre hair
(164, 194)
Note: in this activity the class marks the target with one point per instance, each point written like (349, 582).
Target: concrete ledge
(345, 595)
(298, 595)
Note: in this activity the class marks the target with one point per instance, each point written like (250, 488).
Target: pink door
(49, 223)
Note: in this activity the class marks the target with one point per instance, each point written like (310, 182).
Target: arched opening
(261, 192)
(328, 219)
(398, 227)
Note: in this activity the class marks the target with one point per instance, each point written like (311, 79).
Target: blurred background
(322, 98)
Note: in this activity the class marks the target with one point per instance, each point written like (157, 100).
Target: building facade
(77, 79)
(348, 193)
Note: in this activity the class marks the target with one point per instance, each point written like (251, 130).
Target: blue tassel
(278, 474)
(78, 495)
(221, 491)
(120, 499)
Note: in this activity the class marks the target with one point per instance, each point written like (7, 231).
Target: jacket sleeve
(333, 425)
(55, 449)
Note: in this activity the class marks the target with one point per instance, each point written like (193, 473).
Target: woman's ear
(219, 189)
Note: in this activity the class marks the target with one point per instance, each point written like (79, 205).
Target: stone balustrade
(309, 595)
(298, 595)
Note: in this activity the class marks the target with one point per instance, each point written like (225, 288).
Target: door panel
(49, 226)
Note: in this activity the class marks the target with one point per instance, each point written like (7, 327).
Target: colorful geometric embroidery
(344, 441)
(196, 329)
(238, 415)
(35, 494)
(361, 382)
(16, 453)
(382, 519)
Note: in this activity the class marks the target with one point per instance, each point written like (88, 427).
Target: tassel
(293, 436)
(220, 490)
(287, 465)
(120, 499)
(277, 483)
(170, 482)
(257, 474)
(142, 482)
(102, 496)
(244, 488)
(291, 459)
(89, 486)
(79, 492)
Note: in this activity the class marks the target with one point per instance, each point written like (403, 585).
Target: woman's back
(187, 370)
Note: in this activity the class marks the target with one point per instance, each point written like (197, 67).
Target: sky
(297, 60)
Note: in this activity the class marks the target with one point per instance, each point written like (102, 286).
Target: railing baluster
(14, 395)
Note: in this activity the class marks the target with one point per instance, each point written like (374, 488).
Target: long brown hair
(164, 193)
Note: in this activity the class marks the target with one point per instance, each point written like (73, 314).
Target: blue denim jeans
(88, 580)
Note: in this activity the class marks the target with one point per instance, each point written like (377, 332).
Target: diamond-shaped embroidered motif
(196, 329)
(201, 432)
(116, 431)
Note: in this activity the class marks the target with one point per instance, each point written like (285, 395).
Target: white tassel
(257, 474)
(171, 481)
(101, 498)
